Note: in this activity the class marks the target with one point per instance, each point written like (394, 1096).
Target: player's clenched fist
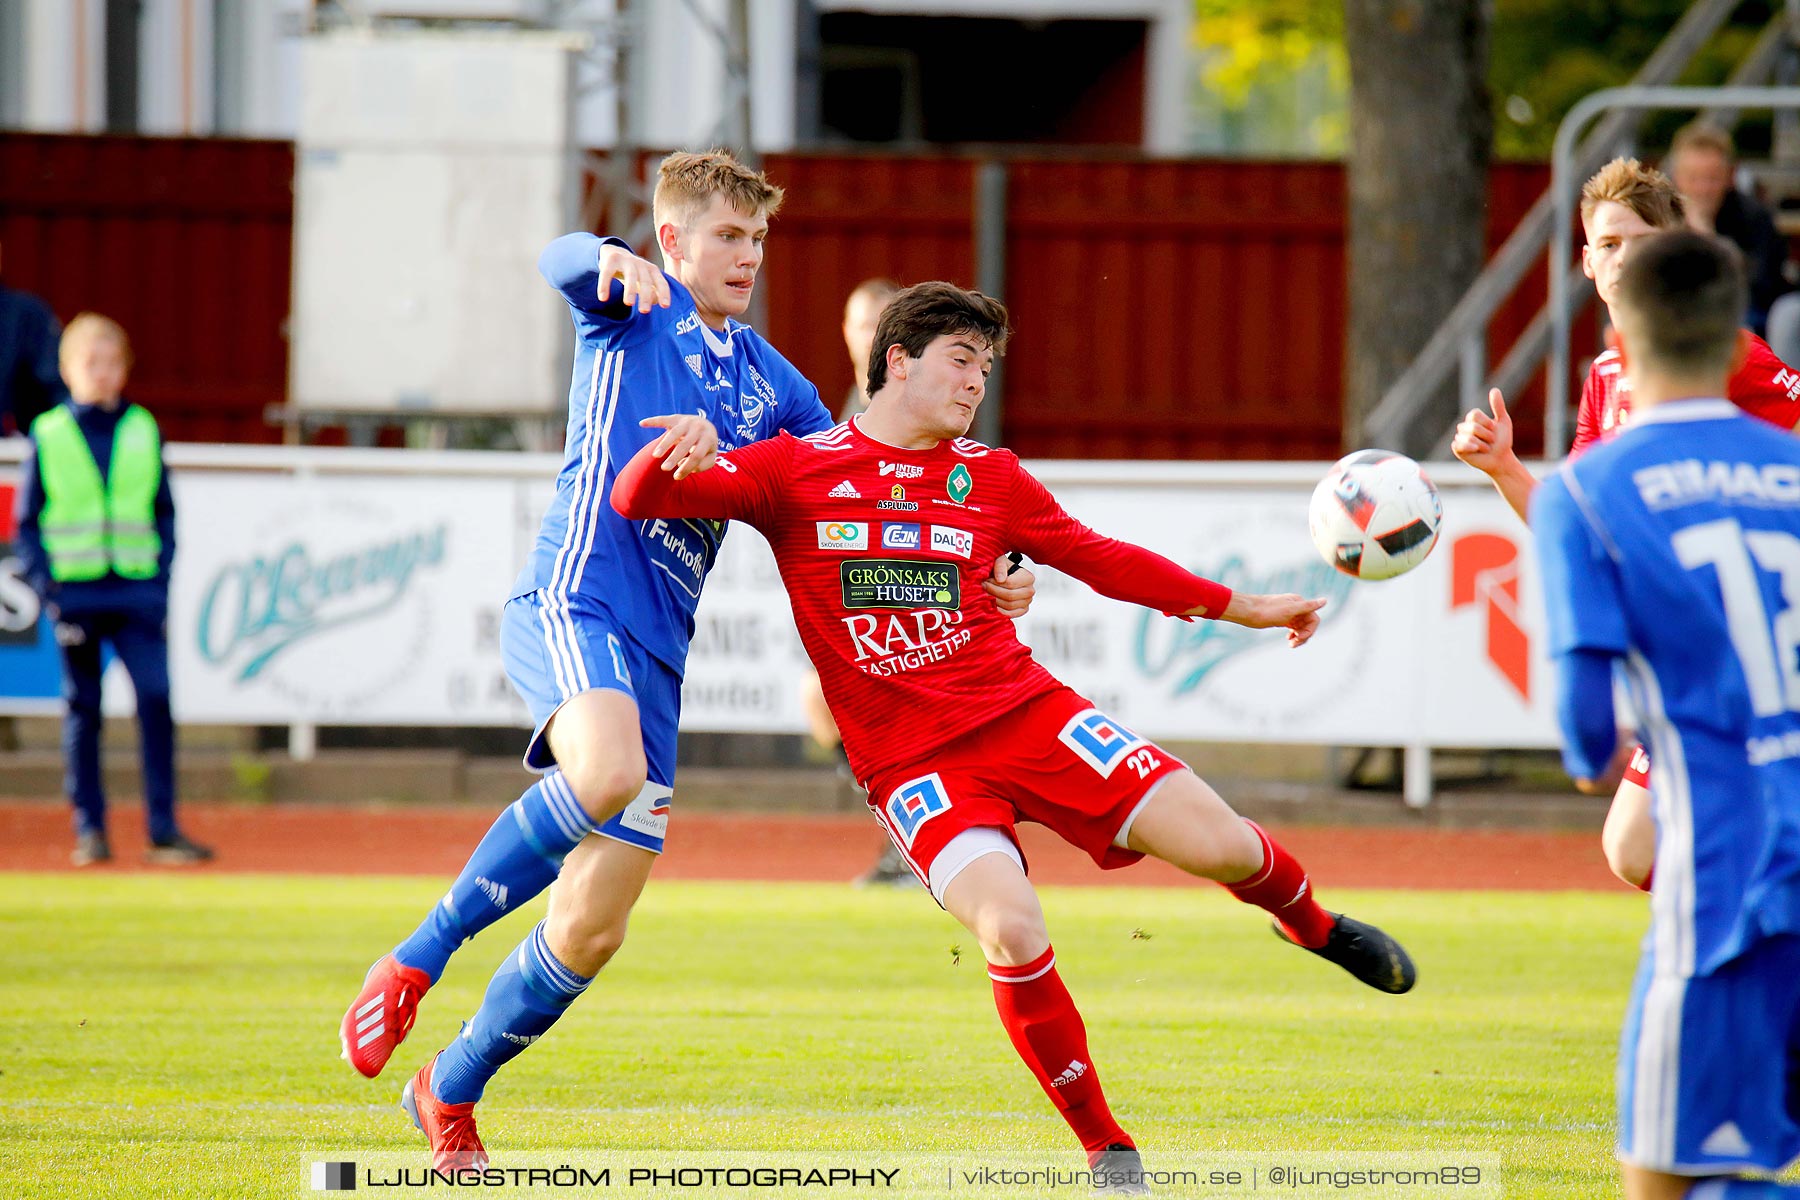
(1485, 442)
(689, 443)
(645, 284)
(1298, 614)
(1012, 586)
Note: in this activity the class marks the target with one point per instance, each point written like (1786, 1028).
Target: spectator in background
(96, 538)
(867, 301)
(1701, 162)
(29, 381)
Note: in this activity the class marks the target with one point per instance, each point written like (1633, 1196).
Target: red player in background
(1624, 201)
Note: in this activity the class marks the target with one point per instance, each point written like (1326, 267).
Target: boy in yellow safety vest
(97, 535)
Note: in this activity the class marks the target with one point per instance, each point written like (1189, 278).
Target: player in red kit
(1623, 202)
(958, 734)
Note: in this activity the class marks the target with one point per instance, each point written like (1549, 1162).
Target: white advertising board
(343, 601)
(365, 588)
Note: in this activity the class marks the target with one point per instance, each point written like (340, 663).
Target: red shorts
(1056, 760)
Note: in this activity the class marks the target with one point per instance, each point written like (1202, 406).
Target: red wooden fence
(1164, 309)
(187, 242)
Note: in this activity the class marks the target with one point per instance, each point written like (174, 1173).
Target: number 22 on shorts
(1102, 743)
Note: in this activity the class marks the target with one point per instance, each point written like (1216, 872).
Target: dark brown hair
(1681, 299)
(924, 312)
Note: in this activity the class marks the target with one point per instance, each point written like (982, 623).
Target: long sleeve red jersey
(1764, 387)
(883, 552)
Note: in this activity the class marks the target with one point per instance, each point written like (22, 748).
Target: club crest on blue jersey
(1101, 742)
(915, 802)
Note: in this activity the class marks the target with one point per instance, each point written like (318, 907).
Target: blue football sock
(1741, 1189)
(517, 858)
(528, 993)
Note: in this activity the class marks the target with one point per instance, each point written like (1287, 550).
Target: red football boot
(382, 1014)
(450, 1128)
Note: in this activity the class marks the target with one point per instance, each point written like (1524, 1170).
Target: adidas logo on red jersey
(844, 491)
(1075, 1070)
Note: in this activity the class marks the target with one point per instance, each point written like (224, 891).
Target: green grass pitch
(176, 1036)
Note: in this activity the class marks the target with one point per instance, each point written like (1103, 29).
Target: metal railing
(1565, 171)
(1460, 343)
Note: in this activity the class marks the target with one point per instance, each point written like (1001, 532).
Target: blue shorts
(1709, 1067)
(553, 653)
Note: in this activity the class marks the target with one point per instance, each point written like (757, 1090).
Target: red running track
(435, 841)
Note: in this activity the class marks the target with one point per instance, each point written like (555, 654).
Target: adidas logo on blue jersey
(693, 362)
(844, 491)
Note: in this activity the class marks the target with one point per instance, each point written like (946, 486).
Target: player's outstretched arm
(1297, 614)
(681, 475)
(1485, 442)
(1040, 527)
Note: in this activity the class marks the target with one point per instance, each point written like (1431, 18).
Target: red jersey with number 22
(884, 552)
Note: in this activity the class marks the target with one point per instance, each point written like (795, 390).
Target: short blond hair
(86, 327)
(1646, 191)
(686, 182)
(1703, 135)
(879, 290)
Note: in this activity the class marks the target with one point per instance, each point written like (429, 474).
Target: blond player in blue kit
(596, 632)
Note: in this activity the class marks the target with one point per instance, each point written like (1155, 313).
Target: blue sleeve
(1584, 712)
(808, 415)
(1584, 607)
(33, 372)
(46, 366)
(1583, 600)
(571, 265)
(802, 413)
(28, 507)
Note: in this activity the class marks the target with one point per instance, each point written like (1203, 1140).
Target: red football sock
(1281, 887)
(1045, 1029)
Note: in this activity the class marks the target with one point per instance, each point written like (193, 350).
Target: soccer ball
(1375, 515)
